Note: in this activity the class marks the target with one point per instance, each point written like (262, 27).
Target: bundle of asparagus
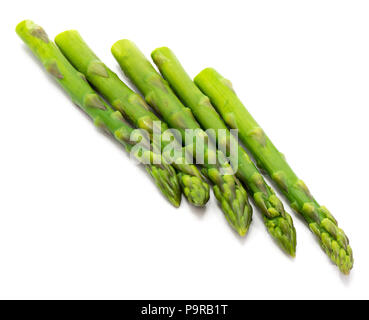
(180, 102)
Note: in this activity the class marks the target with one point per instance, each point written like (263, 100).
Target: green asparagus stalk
(103, 116)
(130, 104)
(227, 189)
(278, 222)
(321, 222)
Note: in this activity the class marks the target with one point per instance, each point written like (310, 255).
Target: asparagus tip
(242, 231)
(175, 203)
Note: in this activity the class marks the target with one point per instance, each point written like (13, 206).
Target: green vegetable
(332, 239)
(278, 222)
(227, 189)
(74, 83)
(130, 104)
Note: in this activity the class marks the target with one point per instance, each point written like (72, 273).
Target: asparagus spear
(227, 189)
(86, 98)
(278, 222)
(129, 103)
(332, 239)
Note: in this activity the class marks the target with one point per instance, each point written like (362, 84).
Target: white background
(79, 220)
